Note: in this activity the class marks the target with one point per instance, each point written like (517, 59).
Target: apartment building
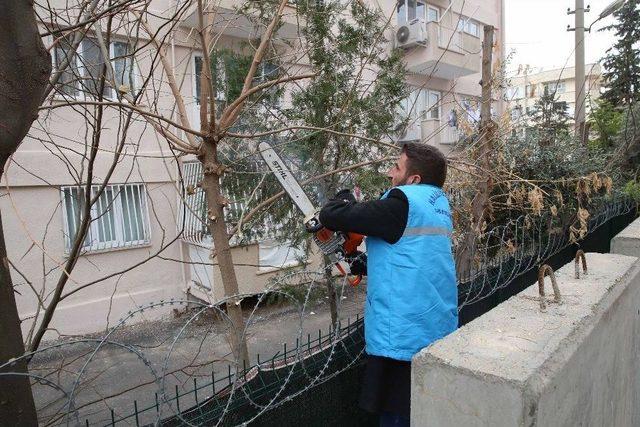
(526, 88)
(145, 242)
(442, 41)
(141, 246)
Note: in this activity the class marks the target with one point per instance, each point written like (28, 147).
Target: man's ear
(415, 179)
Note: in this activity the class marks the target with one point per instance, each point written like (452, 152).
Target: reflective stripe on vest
(426, 231)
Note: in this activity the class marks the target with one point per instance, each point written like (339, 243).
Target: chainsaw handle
(354, 282)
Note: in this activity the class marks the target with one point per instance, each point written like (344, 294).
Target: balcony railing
(448, 54)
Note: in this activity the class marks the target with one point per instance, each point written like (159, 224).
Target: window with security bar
(193, 212)
(192, 220)
(119, 216)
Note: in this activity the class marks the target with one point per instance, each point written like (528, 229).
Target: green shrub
(632, 189)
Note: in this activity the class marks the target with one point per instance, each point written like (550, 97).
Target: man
(411, 286)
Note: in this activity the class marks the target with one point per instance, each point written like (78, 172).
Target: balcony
(430, 131)
(229, 22)
(448, 53)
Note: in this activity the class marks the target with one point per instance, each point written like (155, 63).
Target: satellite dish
(402, 35)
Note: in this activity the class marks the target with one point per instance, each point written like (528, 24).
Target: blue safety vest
(412, 297)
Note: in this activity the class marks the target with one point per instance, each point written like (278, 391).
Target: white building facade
(144, 243)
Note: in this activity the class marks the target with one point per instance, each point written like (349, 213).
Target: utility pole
(580, 90)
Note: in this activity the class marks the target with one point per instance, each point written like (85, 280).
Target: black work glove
(358, 263)
(345, 194)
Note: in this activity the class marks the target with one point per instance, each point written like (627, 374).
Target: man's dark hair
(427, 161)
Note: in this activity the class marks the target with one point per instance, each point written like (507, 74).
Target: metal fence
(293, 378)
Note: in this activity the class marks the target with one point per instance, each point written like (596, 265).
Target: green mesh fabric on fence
(314, 384)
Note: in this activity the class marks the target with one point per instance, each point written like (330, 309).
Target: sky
(537, 31)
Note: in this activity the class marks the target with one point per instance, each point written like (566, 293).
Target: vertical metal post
(135, 407)
(177, 399)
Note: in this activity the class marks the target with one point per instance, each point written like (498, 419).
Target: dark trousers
(386, 389)
(388, 419)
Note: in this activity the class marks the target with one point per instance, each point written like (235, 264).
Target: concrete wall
(627, 242)
(251, 279)
(33, 224)
(575, 364)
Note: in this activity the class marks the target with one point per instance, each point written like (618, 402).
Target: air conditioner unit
(412, 34)
(412, 132)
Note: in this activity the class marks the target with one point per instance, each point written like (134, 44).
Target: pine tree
(356, 91)
(549, 118)
(622, 62)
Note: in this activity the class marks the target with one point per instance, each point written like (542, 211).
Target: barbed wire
(302, 367)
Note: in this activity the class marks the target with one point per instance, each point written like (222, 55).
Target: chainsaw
(336, 245)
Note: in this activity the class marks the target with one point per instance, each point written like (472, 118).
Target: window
(85, 69)
(531, 90)
(220, 73)
(433, 14)
(266, 71)
(197, 72)
(472, 28)
(420, 10)
(560, 106)
(469, 26)
(68, 83)
(408, 10)
(119, 218)
(509, 93)
(123, 68)
(274, 255)
(421, 104)
(413, 106)
(471, 107)
(271, 96)
(401, 10)
(93, 64)
(433, 105)
(514, 92)
(554, 87)
(516, 113)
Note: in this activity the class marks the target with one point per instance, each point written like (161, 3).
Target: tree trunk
(24, 73)
(16, 401)
(331, 290)
(480, 205)
(217, 227)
